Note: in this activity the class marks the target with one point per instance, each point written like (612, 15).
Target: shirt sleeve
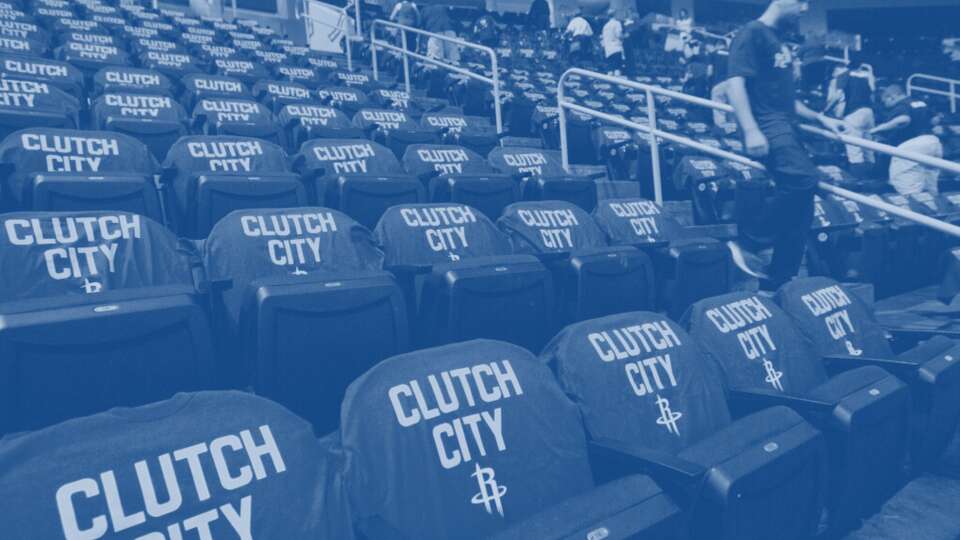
(744, 57)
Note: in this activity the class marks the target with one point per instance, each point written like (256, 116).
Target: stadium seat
(32, 104)
(90, 58)
(461, 279)
(207, 177)
(455, 174)
(863, 412)
(840, 325)
(472, 132)
(542, 176)
(244, 70)
(592, 279)
(155, 120)
(524, 462)
(120, 80)
(276, 94)
(394, 129)
(97, 310)
(348, 100)
(109, 453)
(690, 263)
(306, 288)
(246, 118)
(174, 64)
(357, 176)
(306, 76)
(68, 170)
(302, 122)
(647, 394)
(197, 87)
(60, 74)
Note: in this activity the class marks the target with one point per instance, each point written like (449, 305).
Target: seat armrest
(814, 411)
(627, 459)
(903, 370)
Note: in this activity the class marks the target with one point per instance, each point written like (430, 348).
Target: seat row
(744, 422)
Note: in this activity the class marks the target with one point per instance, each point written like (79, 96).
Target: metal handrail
(494, 67)
(655, 132)
(951, 93)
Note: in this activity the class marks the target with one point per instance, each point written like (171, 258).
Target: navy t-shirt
(203, 465)
(766, 63)
(920, 121)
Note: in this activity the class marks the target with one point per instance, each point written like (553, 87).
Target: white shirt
(612, 37)
(579, 26)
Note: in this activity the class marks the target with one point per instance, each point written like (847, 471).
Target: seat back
(639, 380)
(58, 73)
(524, 451)
(349, 100)
(62, 169)
(755, 344)
(549, 227)
(201, 86)
(174, 64)
(220, 116)
(303, 75)
(155, 120)
(635, 222)
(525, 162)
(276, 94)
(426, 161)
(26, 103)
(102, 457)
(243, 70)
(128, 80)
(302, 122)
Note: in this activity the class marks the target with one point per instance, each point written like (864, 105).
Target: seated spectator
(909, 127)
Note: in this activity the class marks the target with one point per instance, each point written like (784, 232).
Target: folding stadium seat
(20, 28)
(460, 278)
(863, 412)
(857, 245)
(307, 287)
(201, 86)
(302, 122)
(592, 279)
(840, 325)
(60, 74)
(91, 58)
(524, 463)
(276, 94)
(222, 116)
(83, 37)
(12, 45)
(690, 263)
(473, 132)
(394, 129)
(155, 120)
(301, 75)
(244, 70)
(617, 150)
(103, 457)
(213, 51)
(357, 176)
(131, 81)
(141, 45)
(25, 103)
(649, 397)
(363, 81)
(348, 100)
(207, 177)
(63, 169)
(173, 64)
(97, 310)
(543, 177)
(453, 173)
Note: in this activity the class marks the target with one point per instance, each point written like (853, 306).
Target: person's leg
(451, 50)
(434, 48)
(790, 210)
(860, 121)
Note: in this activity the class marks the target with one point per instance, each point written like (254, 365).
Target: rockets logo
(91, 287)
(298, 272)
(773, 376)
(852, 349)
(490, 491)
(668, 417)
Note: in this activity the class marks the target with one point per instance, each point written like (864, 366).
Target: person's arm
(833, 124)
(893, 123)
(755, 141)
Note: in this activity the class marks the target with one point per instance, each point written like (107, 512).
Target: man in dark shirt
(762, 91)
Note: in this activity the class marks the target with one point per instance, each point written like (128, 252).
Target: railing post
(953, 97)
(373, 51)
(356, 4)
(406, 60)
(496, 91)
(654, 147)
(562, 122)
